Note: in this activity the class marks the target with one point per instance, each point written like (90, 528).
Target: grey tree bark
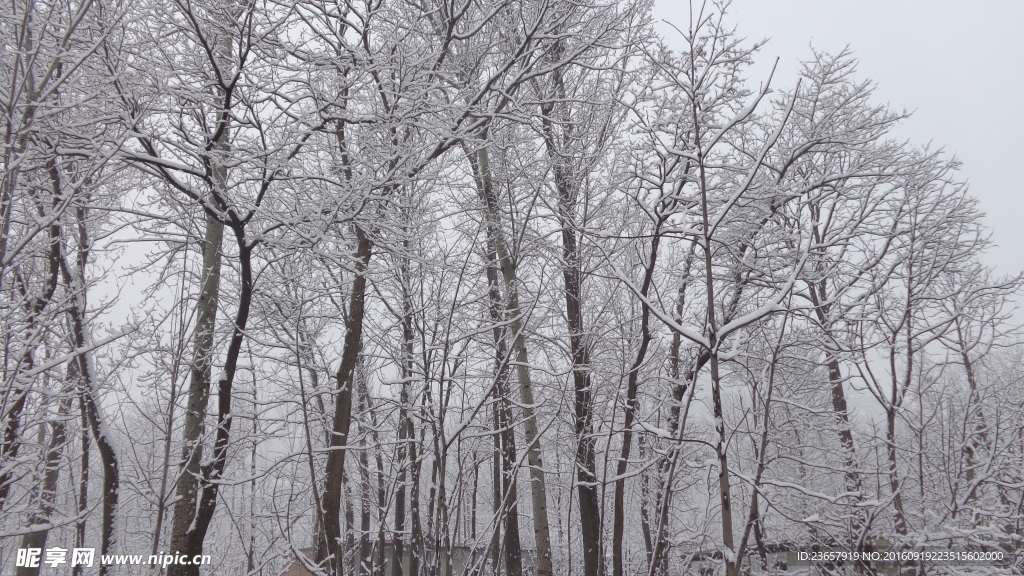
(515, 312)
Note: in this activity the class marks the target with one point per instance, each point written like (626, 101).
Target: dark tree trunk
(83, 480)
(330, 543)
(819, 298)
(211, 474)
(632, 389)
(495, 546)
(365, 499)
(416, 528)
(567, 185)
(406, 431)
(76, 283)
(48, 488)
(187, 486)
(509, 511)
(586, 464)
(899, 515)
(506, 492)
(35, 306)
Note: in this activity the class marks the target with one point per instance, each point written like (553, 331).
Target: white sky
(958, 66)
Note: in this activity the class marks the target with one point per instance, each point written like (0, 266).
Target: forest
(484, 287)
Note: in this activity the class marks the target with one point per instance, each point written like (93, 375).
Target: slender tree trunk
(196, 495)
(365, 494)
(899, 514)
(509, 511)
(398, 534)
(212, 472)
(819, 297)
(496, 491)
(480, 162)
(586, 465)
(471, 531)
(108, 459)
(330, 544)
(678, 419)
(12, 429)
(48, 488)
(893, 404)
(406, 431)
(645, 502)
(442, 541)
(382, 499)
(680, 385)
(506, 507)
(431, 533)
(538, 484)
(977, 435)
(250, 552)
(755, 525)
(349, 551)
(841, 410)
(376, 561)
(83, 480)
(76, 282)
(187, 486)
(632, 389)
(416, 528)
(16, 395)
(506, 490)
(724, 489)
(567, 185)
(172, 400)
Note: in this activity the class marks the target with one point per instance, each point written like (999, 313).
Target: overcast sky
(958, 66)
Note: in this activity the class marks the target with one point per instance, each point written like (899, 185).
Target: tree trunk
(586, 465)
(659, 555)
(899, 515)
(364, 557)
(721, 440)
(83, 480)
(506, 490)
(506, 507)
(976, 435)
(416, 529)
(330, 543)
(76, 283)
(819, 297)
(167, 462)
(724, 489)
(35, 306)
(211, 474)
(677, 423)
(645, 502)
(406, 431)
(502, 311)
(196, 495)
(48, 488)
(567, 185)
(513, 312)
(632, 389)
(496, 491)
(187, 486)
